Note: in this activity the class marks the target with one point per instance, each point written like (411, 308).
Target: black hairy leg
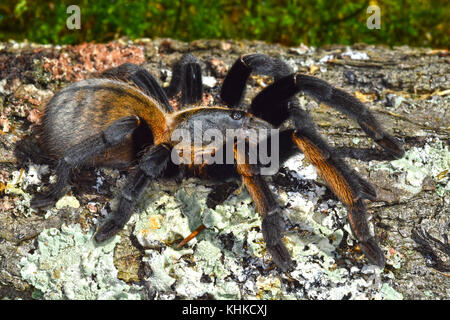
(80, 153)
(187, 77)
(143, 79)
(151, 166)
(351, 106)
(285, 88)
(233, 87)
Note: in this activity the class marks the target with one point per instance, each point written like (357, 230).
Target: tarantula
(124, 118)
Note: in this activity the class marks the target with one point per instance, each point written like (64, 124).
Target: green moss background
(289, 22)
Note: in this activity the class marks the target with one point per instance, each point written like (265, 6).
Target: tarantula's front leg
(286, 87)
(83, 151)
(344, 182)
(348, 104)
(266, 205)
(151, 166)
(233, 87)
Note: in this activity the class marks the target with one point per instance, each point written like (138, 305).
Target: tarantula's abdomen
(86, 108)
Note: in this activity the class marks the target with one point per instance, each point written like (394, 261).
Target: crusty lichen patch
(67, 264)
(204, 265)
(431, 160)
(229, 259)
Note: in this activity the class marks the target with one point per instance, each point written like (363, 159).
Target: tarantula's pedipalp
(130, 72)
(151, 166)
(187, 77)
(83, 151)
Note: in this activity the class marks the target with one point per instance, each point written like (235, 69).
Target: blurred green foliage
(290, 22)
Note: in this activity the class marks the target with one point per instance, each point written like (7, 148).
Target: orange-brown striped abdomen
(86, 108)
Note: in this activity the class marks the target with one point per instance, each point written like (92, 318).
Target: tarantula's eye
(236, 115)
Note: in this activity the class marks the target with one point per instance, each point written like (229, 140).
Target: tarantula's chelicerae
(124, 119)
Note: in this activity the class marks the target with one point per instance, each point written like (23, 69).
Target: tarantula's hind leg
(141, 78)
(80, 153)
(151, 166)
(187, 77)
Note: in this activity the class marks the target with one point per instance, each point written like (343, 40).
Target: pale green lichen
(210, 265)
(432, 160)
(67, 264)
(179, 216)
(209, 254)
(388, 293)
(160, 221)
(160, 278)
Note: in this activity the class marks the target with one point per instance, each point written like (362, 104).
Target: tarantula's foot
(56, 190)
(360, 229)
(280, 256)
(392, 145)
(389, 143)
(47, 199)
(272, 229)
(43, 201)
(367, 190)
(107, 230)
(373, 252)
